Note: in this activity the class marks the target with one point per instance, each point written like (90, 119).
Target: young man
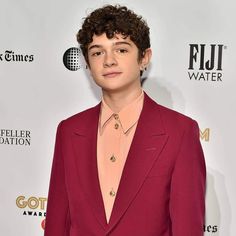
(128, 166)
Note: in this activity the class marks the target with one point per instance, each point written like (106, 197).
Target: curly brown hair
(112, 20)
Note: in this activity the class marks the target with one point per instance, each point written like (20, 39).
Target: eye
(122, 50)
(96, 54)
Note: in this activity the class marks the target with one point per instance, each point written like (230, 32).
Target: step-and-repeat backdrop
(43, 80)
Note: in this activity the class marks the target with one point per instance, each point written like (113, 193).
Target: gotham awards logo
(72, 59)
(206, 62)
(33, 207)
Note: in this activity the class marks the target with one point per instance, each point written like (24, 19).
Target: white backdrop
(37, 91)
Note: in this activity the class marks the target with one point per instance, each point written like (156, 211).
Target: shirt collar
(128, 116)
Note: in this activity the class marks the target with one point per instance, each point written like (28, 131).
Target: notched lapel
(148, 142)
(85, 148)
(140, 161)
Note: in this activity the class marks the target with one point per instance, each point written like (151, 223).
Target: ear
(146, 59)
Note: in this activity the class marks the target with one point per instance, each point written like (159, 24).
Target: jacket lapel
(148, 142)
(85, 146)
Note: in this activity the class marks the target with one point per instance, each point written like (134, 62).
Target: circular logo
(71, 59)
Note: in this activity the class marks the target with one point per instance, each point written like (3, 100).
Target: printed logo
(206, 62)
(33, 206)
(11, 56)
(210, 228)
(15, 137)
(205, 134)
(72, 59)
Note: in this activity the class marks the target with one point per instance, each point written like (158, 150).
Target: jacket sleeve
(187, 199)
(57, 215)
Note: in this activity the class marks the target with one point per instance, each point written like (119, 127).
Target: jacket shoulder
(174, 116)
(81, 119)
(172, 119)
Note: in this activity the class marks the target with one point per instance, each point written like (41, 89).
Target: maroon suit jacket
(162, 188)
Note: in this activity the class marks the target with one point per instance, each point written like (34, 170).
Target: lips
(111, 74)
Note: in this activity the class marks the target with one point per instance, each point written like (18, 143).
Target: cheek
(93, 70)
(133, 64)
(134, 69)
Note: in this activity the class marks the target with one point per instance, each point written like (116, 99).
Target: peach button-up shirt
(115, 134)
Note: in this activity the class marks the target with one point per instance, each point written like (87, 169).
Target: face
(114, 63)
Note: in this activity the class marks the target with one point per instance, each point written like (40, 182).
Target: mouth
(111, 74)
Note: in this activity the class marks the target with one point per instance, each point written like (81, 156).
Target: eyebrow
(115, 44)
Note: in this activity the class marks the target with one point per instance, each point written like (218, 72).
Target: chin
(111, 86)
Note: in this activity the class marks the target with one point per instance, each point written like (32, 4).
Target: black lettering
(209, 228)
(18, 58)
(214, 229)
(201, 76)
(210, 63)
(202, 56)
(8, 133)
(6, 141)
(11, 56)
(20, 141)
(193, 55)
(207, 74)
(8, 55)
(213, 76)
(27, 134)
(31, 58)
(26, 58)
(219, 75)
(2, 132)
(1, 140)
(193, 75)
(27, 142)
(220, 50)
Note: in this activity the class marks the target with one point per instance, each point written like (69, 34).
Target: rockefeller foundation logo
(15, 137)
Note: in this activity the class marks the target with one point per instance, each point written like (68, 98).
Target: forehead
(103, 40)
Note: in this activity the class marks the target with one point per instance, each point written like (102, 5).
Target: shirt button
(112, 193)
(116, 126)
(112, 158)
(116, 116)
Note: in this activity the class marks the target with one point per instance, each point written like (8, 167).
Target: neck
(118, 100)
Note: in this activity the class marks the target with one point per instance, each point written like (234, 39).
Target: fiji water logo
(206, 62)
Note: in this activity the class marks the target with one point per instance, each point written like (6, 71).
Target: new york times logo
(210, 228)
(205, 62)
(11, 56)
(72, 59)
(15, 137)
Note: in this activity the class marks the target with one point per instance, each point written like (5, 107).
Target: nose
(109, 60)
